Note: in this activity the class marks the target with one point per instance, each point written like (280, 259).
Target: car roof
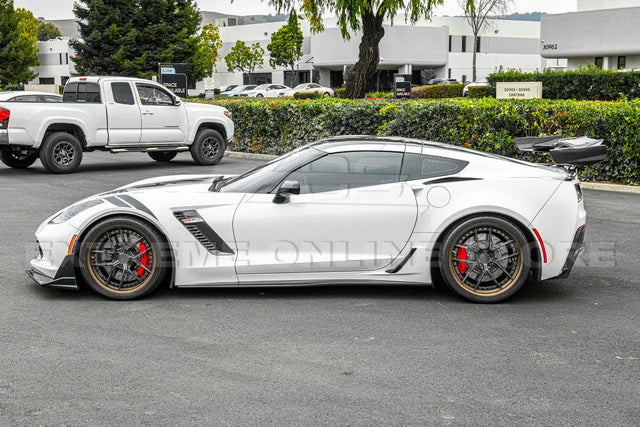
(96, 79)
(11, 94)
(391, 141)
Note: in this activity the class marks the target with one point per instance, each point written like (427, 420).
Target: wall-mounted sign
(402, 86)
(209, 88)
(174, 78)
(550, 46)
(518, 90)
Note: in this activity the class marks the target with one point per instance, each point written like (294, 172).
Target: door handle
(147, 113)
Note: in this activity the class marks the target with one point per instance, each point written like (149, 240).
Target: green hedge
(437, 91)
(480, 91)
(310, 95)
(277, 126)
(584, 84)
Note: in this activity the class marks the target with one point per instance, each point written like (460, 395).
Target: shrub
(340, 92)
(585, 84)
(437, 91)
(480, 91)
(277, 126)
(310, 95)
(382, 95)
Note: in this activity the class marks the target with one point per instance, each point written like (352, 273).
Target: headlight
(74, 210)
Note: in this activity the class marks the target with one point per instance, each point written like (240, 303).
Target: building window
(478, 45)
(464, 78)
(622, 62)
(46, 80)
(599, 62)
(63, 80)
(464, 43)
(66, 58)
(450, 43)
(449, 73)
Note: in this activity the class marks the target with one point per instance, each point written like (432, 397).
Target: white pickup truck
(117, 114)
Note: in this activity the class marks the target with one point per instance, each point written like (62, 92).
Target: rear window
(81, 92)
(419, 166)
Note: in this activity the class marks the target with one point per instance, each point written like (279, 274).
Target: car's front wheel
(485, 259)
(18, 157)
(123, 258)
(208, 147)
(326, 95)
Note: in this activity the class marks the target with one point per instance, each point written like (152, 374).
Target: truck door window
(151, 95)
(122, 93)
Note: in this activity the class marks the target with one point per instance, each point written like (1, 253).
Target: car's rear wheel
(163, 156)
(61, 152)
(485, 259)
(18, 157)
(327, 95)
(208, 147)
(259, 95)
(123, 258)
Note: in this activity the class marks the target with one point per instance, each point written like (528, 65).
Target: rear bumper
(576, 248)
(4, 138)
(65, 277)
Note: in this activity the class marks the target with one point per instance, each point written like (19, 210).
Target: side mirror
(176, 101)
(283, 195)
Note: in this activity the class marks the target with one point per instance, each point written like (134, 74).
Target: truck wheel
(208, 147)
(163, 156)
(18, 158)
(61, 153)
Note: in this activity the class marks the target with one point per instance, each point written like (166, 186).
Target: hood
(173, 183)
(205, 108)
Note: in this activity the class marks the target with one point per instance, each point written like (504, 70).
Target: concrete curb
(610, 187)
(586, 185)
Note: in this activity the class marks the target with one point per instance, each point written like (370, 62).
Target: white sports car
(339, 211)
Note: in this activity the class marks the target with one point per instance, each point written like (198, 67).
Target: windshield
(301, 86)
(240, 88)
(262, 87)
(264, 178)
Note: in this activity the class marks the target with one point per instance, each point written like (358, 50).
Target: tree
(285, 49)
(209, 44)
(47, 31)
(130, 37)
(477, 13)
(365, 15)
(245, 58)
(18, 50)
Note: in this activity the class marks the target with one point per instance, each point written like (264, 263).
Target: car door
(124, 120)
(163, 121)
(352, 214)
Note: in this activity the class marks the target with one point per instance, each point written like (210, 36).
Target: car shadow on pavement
(103, 167)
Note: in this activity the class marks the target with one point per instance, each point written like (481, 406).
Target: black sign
(402, 86)
(174, 78)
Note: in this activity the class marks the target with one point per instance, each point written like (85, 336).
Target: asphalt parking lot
(560, 352)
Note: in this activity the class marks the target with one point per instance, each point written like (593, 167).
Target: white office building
(56, 64)
(443, 44)
(603, 33)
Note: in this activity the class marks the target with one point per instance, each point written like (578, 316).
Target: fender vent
(201, 231)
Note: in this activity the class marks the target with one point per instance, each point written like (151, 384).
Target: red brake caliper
(462, 255)
(144, 259)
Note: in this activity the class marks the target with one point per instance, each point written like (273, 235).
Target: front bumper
(65, 277)
(576, 248)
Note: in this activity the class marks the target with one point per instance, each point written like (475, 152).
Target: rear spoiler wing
(580, 151)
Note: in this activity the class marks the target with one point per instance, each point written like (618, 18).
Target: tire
(18, 158)
(163, 156)
(208, 147)
(123, 258)
(326, 95)
(259, 95)
(483, 269)
(60, 153)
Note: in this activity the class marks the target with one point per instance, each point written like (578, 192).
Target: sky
(62, 9)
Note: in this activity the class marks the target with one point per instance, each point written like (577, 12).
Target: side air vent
(201, 231)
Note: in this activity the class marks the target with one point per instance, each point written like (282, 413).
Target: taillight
(4, 118)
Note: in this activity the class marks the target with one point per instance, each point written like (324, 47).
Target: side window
(70, 92)
(122, 93)
(342, 171)
(151, 95)
(419, 166)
